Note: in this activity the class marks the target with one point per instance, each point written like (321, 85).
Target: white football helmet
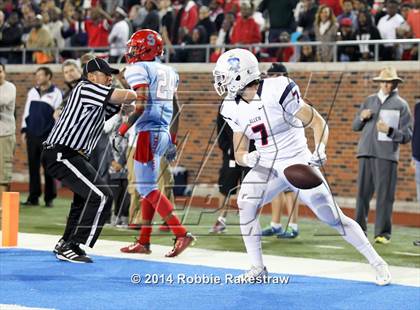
(234, 70)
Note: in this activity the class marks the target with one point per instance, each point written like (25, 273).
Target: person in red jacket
(245, 30)
(98, 27)
(335, 5)
(189, 15)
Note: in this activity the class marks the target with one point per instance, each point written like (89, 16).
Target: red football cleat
(136, 248)
(181, 243)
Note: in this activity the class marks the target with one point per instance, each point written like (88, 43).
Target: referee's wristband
(123, 129)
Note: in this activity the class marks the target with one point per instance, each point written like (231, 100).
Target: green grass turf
(313, 235)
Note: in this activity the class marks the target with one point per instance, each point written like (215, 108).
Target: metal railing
(209, 48)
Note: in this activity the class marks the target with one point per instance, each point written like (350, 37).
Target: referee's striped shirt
(82, 120)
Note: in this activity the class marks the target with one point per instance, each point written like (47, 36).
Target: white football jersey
(270, 120)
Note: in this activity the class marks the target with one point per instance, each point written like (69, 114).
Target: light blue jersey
(163, 83)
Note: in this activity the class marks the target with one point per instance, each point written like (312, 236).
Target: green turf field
(316, 240)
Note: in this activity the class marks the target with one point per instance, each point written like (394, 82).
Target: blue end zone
(37, 279)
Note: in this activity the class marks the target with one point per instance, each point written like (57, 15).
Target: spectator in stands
(216, 13)
(7, 130)
(198, 36)
(205, 22)
(405, 8)
(360, 5)
(307, 54)
(97, 27)
(285, 54)
(10, 36)
(77, 32)
(405, 51)
(325, 31)
(136, 16)
(347, 52)
(37, 122)
(281, 17)
(245, 30)
(385, 122)
(387, 27)
(152, 19)
(119, 35)
(187, 15)
(167, 21)
(413, 19)
(72, 76)
(378, 10)
(366, 30)
(28, 20)
(55, 25)
(348, 13)
(334, 5)
(306, 19)
(40, 38)
(223, 36)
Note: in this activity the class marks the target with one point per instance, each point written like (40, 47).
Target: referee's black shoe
(71, 252)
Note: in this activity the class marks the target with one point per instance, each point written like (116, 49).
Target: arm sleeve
(95, 94)
(358, 124)
(404, 133)
(136, 75)
(228, 117)
(291, 100)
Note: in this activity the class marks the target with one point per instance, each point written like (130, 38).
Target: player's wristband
(123, 129)
(173, 138)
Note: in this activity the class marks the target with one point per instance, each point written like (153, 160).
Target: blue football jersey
(163, 83)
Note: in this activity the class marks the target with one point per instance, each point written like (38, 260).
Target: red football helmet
(144, 45)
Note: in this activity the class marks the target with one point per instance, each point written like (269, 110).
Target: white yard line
(329, 247)
(18, 307)
(236, 260)
(407, 253)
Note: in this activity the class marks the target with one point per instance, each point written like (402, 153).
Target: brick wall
(200, 105)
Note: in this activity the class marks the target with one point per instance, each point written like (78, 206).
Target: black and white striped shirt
(82, 120)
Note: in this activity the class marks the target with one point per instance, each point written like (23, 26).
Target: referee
(67, 150)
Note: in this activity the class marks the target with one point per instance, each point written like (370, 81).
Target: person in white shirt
(387, 27)
(118, 36)
(7, 130)
(273, 113)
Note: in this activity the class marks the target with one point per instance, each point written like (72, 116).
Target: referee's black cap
(277, 68)
(98, 64)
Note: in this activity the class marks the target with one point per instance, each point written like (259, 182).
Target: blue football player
(156, 85)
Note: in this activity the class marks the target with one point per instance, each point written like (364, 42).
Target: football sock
(222, 219)
(147, 213)
(294, 226)
(251, 232)
(164, 207)
(275, 225)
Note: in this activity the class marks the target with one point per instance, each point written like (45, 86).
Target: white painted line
(19, 307)
(329, 247)
(407, 253)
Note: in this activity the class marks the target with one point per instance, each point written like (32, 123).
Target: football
(302, 176)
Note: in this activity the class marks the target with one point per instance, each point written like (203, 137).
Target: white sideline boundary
(236, 260)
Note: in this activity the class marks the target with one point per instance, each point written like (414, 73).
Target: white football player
(272, 112)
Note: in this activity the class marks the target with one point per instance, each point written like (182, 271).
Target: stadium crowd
(107, 25)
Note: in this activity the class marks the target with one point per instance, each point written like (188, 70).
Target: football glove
(170, 154)
(318, 157)
(251, 159)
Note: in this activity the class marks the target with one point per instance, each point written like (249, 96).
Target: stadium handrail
(208, 47)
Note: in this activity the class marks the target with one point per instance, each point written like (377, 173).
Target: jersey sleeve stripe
(286, 92)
